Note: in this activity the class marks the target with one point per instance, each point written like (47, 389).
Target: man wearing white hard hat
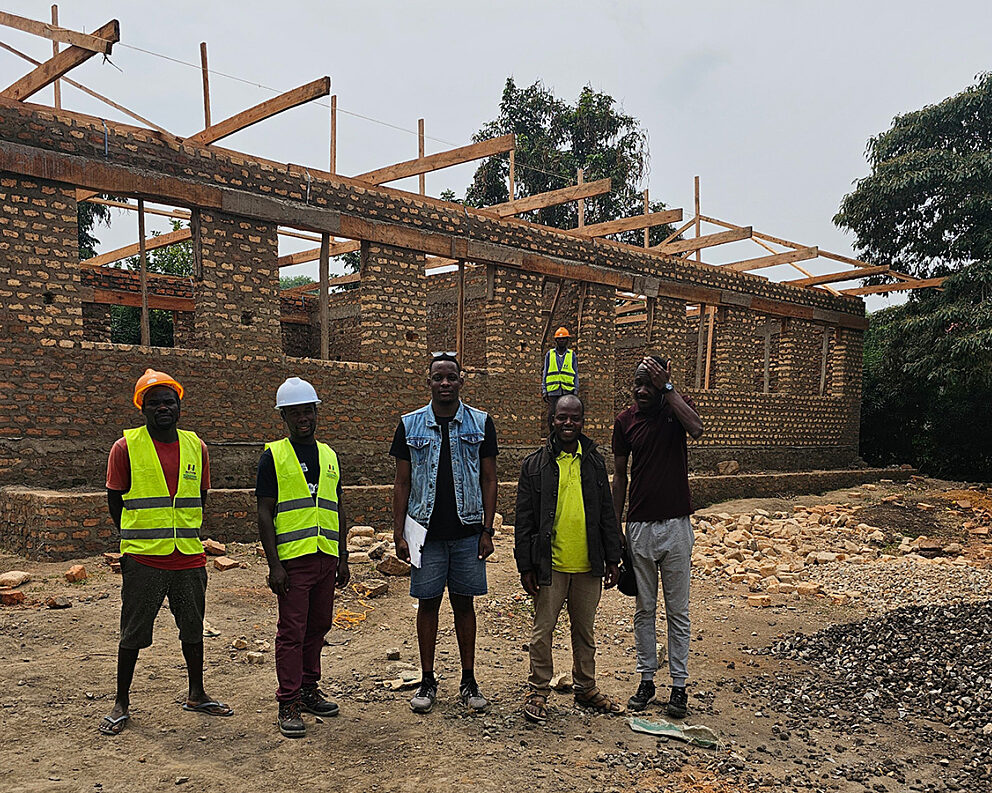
(300, 515)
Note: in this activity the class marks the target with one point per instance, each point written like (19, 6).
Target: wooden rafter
(444, 159)
(150, 244)
(313, 254)
(902, 286)
(802, 254)
(633, 223)
(260, 112)
(58, 65)
(706, 241)
(53, 32)
(341, 280)
(552, 198)
(846, 275)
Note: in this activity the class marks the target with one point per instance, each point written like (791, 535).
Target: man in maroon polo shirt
(659, 534)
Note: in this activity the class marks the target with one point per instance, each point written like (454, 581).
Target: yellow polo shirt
(569, 549)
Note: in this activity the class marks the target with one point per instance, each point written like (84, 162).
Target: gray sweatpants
(664, 546)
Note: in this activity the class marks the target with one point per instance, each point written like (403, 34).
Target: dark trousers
(305, 615)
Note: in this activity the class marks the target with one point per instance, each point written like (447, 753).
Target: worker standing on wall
(157, 482)
(302, 526)
(659, 532)
(446, 483)
(561, 371)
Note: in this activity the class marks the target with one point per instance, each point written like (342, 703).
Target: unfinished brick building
(775, 369)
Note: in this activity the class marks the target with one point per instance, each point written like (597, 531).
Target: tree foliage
(926, 206)
(928, 379)
(88, 216)
(290, 281)
(554, 139)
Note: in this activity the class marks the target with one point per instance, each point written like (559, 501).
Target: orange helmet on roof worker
(562, 333)
(150, 379)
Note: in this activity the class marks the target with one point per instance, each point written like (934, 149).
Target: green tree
(928, 379)
(290, 281)
(88, 216)
(555, 139)
(125, 321)
(926, 206)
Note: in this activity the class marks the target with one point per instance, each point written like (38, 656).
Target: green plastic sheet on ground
(696, 734)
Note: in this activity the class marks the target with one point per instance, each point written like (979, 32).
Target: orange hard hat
(562, 333)
(152, 378)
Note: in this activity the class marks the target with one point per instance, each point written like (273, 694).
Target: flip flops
(211, 708)
(111, 726)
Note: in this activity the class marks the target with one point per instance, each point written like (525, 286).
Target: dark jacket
(537, 500)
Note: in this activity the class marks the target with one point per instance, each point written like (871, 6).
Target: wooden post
(325, 331)
(823, 360)
(460, 324)
(490, 281)
(551, 315)
(582, 201)
(206, 84)
(709, 348)
(700, 339)
(56, 86)
(698, 253)
(146, 333)
(513, 174)
(650, 322)
(583, 290)
(420, 153)
(334, 134)
(647, 211)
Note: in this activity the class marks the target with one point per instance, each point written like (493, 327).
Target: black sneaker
(471, 696)
(643, 697)
(314, 702)
(677, 702)
(290, 719)
(424, 699)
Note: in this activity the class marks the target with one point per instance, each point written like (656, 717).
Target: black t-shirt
(266, 484)
(444, 524)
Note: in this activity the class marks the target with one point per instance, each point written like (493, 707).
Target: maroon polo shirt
(659, 467)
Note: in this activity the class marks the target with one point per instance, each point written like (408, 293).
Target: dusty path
(57, 672)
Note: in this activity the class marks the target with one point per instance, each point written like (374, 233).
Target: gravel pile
(904, 582)
(930, 662)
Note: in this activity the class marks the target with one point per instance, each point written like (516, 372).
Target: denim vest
(423, 437)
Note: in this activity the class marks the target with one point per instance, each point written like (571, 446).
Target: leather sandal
(595, 699)
(536, 708)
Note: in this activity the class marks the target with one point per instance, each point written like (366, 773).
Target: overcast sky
(770, 103)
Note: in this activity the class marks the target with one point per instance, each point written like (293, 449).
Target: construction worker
(300, 523)
(446, 483)
(157, 482)
(560, 371)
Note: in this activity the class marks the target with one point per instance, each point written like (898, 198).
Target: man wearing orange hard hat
(157, 481)
(561, 371)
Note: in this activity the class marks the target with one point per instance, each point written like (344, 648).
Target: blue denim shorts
(454, 563)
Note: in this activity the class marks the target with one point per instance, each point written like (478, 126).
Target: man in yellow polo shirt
(567, 549)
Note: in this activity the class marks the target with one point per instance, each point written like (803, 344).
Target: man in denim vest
(446, 481)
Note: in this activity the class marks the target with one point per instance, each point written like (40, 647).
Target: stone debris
(728, 467)
(11, 597)
(75, 573)
(759, 601)
(14, 578)
(371, 588)
(916, 662)
(378, 550)
(361, 531)
(241, 643)
(112, 558)
(58, 602)
(254, 657)
(225, 563)
(358, 557)
(214, 548)
(562, 682)
(392, 565)
(393, 654)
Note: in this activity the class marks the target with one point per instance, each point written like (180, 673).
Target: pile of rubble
(800, 553)
(930, 662)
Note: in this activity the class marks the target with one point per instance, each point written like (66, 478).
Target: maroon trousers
(305, 615)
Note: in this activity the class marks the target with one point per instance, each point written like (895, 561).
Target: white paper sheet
(415, 536)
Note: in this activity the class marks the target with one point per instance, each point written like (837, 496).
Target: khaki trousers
(581, 591)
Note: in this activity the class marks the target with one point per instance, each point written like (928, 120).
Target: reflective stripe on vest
(152, 522)
(304, 526)
(564, 379)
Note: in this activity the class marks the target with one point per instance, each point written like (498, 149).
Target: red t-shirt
(659, 468)
(119, 478)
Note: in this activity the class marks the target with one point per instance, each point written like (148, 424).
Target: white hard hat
(295, 392)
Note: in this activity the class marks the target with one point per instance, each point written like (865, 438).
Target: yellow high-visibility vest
(304, 526)
(563, 379)
(152, 521)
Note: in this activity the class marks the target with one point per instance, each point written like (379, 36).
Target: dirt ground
(57, 679)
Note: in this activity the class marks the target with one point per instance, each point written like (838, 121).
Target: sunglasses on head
(442, 354)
